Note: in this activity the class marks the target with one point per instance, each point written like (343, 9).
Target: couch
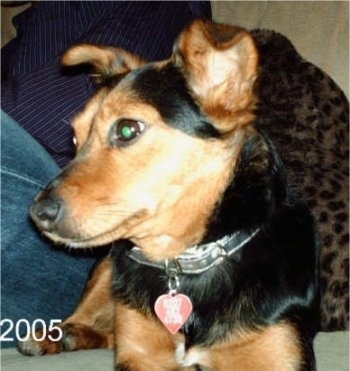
(331, 353)
(320, 32)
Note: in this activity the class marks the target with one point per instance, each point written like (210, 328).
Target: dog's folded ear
(221, 64)
(106, 60)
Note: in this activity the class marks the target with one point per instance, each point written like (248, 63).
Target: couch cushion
(332, 353)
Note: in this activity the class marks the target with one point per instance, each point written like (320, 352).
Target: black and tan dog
(214, 264)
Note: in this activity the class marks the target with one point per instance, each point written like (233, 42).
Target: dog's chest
(197, 300)
(190, 357)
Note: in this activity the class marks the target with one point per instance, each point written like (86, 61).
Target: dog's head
(156, 145)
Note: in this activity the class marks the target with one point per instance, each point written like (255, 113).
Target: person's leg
(38, 281)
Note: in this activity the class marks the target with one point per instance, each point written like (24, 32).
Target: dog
(214, 263)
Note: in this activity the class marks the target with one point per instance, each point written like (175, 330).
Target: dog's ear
(106, 60)
(221, 64)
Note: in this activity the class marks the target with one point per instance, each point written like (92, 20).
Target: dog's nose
(45, 213)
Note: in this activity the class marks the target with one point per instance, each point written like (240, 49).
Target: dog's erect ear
(106, 60)
(221, 63)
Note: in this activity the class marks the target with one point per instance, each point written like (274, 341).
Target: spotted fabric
(307, 116)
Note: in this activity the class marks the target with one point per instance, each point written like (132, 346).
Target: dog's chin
(81, 242)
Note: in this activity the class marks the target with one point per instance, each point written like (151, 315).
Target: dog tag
(173, 310)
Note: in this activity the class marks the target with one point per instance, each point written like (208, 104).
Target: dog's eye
(127, 130)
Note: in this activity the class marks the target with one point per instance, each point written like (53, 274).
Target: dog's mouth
(81, 242)
(51, 219)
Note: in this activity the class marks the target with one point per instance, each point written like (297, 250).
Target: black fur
(273, 278)
(166, 89)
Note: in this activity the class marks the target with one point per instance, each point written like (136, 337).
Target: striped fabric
(37, 94)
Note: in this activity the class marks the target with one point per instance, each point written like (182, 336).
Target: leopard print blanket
(307, 116)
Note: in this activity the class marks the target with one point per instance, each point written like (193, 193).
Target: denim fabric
(37, 279)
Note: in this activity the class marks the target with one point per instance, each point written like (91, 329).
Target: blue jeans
(38, 280)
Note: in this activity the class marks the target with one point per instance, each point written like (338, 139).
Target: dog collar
(198, 258)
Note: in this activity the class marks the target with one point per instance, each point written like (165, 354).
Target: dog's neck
(199, 258)
(239, 215)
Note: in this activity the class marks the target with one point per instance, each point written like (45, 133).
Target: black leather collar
(198, 258)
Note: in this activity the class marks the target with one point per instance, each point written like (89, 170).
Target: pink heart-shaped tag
(173, 310)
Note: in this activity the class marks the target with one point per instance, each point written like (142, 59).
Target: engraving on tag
(173, 310)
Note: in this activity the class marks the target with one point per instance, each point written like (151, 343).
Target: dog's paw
(72, 336)
(33, 347)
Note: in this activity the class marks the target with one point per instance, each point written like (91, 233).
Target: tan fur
(273, 348)
(146, 345)
(91, 325)
(97, 304)
(82, 121)
(222, 64)
(107, 60)
(143, 343)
